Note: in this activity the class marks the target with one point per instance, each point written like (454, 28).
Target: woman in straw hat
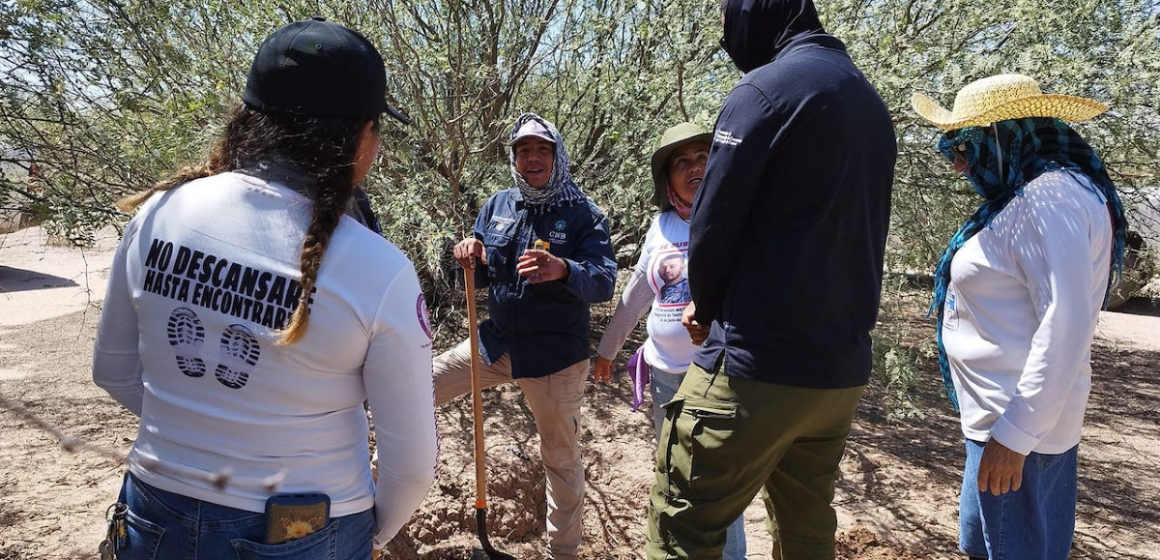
(1017, 293)
(249, 316)
(678, 167)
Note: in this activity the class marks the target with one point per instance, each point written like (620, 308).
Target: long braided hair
(324, 148)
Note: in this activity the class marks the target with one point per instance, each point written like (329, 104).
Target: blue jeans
(168, 526)
(663, 386)
(1035, 522)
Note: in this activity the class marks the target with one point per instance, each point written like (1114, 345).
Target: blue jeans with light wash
(168, 526)
(663, 386)
(1035, 522)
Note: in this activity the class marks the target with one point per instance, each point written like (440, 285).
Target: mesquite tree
(107, 96)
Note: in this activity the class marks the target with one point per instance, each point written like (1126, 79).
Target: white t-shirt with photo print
(663, 263)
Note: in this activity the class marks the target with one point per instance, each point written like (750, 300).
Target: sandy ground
(40, 280)
(896, 499)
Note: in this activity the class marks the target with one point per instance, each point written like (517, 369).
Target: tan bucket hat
(1004, 97)
(673, 138)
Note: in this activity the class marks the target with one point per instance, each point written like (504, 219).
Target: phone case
(293, 516)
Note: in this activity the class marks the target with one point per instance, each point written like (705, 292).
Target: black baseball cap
(318, 67)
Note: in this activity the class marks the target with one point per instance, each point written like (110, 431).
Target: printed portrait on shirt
(668, 278)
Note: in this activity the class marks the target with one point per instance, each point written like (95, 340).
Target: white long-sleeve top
(1021, 312)
(204, 277)
(662, 261)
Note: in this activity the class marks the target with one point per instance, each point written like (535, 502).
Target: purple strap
(637, 369)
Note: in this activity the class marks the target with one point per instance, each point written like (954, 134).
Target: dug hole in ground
(897, 497)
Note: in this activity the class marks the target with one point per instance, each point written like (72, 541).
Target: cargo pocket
(497, 246)
(693, 458)
(670, 457)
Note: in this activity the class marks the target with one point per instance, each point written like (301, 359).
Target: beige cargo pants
(555, 403)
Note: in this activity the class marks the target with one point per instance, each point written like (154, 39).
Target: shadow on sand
(1117, 493)
(21, 280)
(1140, 306)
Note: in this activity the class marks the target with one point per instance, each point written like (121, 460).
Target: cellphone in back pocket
(293, 516)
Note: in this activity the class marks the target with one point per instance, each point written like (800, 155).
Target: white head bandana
(561, 189)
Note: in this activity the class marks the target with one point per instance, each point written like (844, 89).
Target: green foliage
(111, 95)
(895, 367)
(604, 72)
(1108, 51)
(900, 351)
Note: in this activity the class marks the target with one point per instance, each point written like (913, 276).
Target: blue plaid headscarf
(1030, 147)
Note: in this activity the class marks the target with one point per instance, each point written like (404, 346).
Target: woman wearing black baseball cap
(249, 316)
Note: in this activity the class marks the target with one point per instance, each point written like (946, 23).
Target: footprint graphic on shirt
(185, 336)
(239, 353)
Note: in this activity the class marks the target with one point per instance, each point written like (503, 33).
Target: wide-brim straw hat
(1004, 97)
(673, 138)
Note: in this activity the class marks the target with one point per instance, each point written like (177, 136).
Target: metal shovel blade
(478, 553)
(485, 551)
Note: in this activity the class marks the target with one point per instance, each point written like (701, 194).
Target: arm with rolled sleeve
(1060, 279)
(748, 132)
(592, 268)
(636, 299)
(634, 302)
(116, 362)
(401, 395)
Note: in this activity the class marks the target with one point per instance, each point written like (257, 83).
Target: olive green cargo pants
(726, 438)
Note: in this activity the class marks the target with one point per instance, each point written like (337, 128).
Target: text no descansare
(206, 280)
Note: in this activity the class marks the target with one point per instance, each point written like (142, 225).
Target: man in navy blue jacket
(787, 239)
(542, 247)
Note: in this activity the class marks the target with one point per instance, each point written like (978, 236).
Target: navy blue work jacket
(543, 326)
(788, 233)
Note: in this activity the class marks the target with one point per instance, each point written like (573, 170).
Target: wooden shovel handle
(476, 392)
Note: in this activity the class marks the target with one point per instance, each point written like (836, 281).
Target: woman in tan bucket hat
(659, 283)
(1017, 293)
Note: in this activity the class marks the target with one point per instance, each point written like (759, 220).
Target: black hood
(757, 30)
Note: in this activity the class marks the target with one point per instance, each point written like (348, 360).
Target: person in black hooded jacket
(788, 234)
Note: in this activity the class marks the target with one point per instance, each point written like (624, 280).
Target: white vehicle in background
(1143, 247)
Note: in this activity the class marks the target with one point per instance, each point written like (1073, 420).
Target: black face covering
(757, 30)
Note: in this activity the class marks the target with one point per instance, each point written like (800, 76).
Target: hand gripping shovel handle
(486, 552)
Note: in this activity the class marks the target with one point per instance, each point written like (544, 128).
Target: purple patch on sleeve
(424, 319)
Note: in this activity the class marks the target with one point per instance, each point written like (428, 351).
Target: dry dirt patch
(896, 499)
